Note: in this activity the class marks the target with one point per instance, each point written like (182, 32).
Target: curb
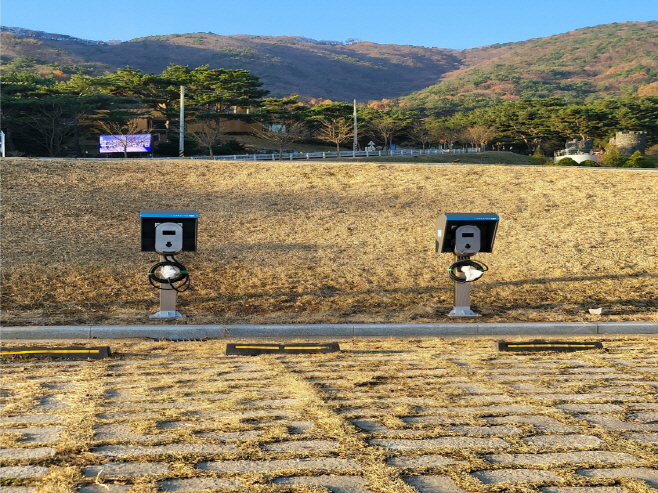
(187, 332)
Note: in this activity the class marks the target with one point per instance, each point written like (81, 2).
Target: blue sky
(455, 24)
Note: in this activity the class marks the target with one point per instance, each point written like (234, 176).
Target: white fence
(329, 155)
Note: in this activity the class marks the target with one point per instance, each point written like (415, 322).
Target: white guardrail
(329, 155)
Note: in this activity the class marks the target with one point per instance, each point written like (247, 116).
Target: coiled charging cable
(170, 272)
(465, 262)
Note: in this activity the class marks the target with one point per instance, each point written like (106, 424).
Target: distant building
(630, 142)
(579, 151)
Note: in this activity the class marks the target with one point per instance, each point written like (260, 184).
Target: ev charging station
(168, 233)
(464, 235)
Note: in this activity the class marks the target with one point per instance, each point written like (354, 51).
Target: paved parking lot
(424, 415)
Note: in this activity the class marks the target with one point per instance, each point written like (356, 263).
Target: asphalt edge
(195, 332)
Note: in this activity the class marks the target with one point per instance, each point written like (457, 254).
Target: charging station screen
(125, 143)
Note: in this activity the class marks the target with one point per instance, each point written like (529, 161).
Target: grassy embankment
(311, 242)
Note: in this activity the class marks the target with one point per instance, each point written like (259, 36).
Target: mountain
(611, 59)
(286, 64)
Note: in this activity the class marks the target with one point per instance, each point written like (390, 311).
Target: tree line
(51, 115)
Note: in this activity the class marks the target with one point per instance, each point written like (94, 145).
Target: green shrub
(169, 147)
(232, 146)
(589, 162)
(612, 156)
(538, 158)
(637, 160)
(566, 161)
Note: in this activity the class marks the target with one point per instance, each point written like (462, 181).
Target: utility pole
(2, 142)
(355, 145)
(181, 141)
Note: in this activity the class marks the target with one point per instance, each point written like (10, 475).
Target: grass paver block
(422, 461)
(599, 376)
(444, 442)
(337, 484)
(50, 403)
(516, 369)
(122, 433)
(473, 388)
(231, 436)
(650, 476)
(583, 489)
(618, 388)
(513, 378)
(642, 437)
(643, 405)
(300, 427)
(645, 417)
(198, 484)
(561, 458)
(261, 413)
(17, 489)
(302, 446)
(23, 472)
(515, 476)
(128, 415)
(483, 410)
(434, 484)
(585, 397)
(321, 464)
(485, 430)
(26, 453)
(36, 434)
(614, 424)
(469, 400)
(125, 469)
(542, 423)
(590, 408)
(178, 448)
(531, 389)
(104, 488)
(372, 426)
(32, 419)
(571, 441)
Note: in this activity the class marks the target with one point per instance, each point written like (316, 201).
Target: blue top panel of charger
(458, 216)
(185, 213)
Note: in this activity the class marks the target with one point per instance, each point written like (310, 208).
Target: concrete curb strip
(323, 330)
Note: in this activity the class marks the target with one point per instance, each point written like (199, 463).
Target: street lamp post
(355, 145)
(181, 141)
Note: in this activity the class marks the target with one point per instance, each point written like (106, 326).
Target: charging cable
(171, 272)
(471, 270)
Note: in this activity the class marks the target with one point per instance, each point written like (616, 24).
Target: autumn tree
(283, 122)
(384, 125)
(478, 135)
(446, 133)
(422, 133)
(208, 134)
(336, 131)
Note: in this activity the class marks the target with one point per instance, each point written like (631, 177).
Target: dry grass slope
(325, 242)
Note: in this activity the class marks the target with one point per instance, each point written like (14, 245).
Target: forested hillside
(286, 64)
(594, 62)
(528, 97)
